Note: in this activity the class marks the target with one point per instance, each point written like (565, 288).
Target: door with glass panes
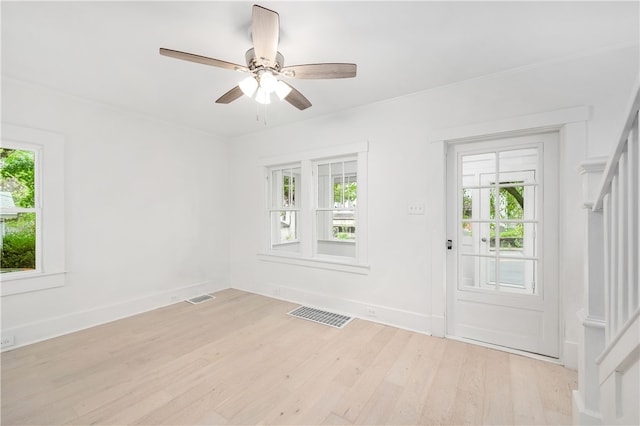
(502, 283)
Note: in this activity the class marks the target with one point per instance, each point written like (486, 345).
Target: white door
(502, 267)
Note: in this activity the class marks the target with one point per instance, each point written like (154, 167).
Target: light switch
(416, 209)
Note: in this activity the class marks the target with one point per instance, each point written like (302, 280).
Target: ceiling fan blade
(320, 71)
(202, 60)
(230, 96)
(265, 30)
(297, 99)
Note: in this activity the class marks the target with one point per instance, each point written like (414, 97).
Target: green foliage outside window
(17, 177)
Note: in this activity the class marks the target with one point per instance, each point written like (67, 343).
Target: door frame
(544, 301)
(571, 123)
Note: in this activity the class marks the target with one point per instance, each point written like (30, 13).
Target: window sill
(337, 241)
(27, 282)
(319, 263)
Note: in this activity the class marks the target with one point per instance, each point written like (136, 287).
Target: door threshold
(506, 349)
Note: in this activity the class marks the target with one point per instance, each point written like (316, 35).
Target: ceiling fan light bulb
(268, 82)
(282, 90)
(248, 86)
(263, 97)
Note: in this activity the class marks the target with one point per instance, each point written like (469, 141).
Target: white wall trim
(49, 328)
(570, 355)
(406, 320)
(591, 170)
(582, 415)
(320, 263)
(329, 152)
(526, 124)
(566, 122)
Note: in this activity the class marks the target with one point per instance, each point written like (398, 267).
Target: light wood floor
(239, 359)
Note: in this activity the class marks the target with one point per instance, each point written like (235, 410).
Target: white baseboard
(406, 320)
(438, 326)
(582, 416)
(570, 355)
(49, 328)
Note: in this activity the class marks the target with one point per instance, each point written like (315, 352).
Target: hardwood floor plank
(468, 407)
(438, 407)
(527, 403)
(498, 404)
(240, 359)
(427, 354)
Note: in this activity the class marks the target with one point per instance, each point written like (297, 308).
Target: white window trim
(270, 208)
(50, 272)
(306, 256)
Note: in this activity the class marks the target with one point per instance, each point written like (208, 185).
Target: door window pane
(518, 160)
(517, 275)
(478, 163)
(510, 202)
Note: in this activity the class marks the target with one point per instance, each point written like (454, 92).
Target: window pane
(518, 239)
(517, 276)
(512, 202)
(293, 188)
(336, 225)
(474, 272)
(511, 237)
(284, 225)
(325, 189)
(17, 178)
(18, 242)
(467, 203)
(518, 160)
(285, 187)
(336, 233)
(474, 238)
(474, 165)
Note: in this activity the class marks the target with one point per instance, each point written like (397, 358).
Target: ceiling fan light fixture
(262, 96)
(248, 86)
(268, 82)
(282, 89)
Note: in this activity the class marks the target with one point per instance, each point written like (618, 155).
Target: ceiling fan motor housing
(253, 63)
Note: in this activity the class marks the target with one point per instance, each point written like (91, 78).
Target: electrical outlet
(276, 291)
(371, 311)
(416, 209)
(6, 341)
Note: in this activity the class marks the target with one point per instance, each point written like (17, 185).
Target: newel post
(586, 408)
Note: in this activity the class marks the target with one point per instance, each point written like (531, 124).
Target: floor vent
(200, 299)
(321, 317)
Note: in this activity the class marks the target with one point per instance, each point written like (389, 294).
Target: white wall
(405, 168)
(146, 217)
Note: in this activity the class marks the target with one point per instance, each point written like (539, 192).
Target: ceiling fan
(266, 64)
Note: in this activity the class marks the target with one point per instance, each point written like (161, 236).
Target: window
(32, 210)
(337, 189)
(284, 211)
(316, 208)
(20, 218)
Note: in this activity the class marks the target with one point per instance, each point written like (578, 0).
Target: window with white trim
(32, 210)
(336, 186)
(316, 208)
(20, 217)
(284, 207)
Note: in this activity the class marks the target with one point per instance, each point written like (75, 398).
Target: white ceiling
(108, 51)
